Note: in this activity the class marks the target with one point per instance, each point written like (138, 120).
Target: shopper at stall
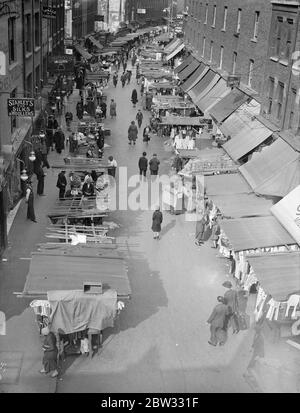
(177, 163)
(128, 76)
(157, 219)
(231, 299)
(154, 165)
(30, 201)
(50, 353)
(61, 184)
(68, 118)
(113, 109)
(132, 133)
(134, 97)
(79, 110)
(139, 118)
(143, 164)
(104, 109)
(217, 321)
(88, 187)
(112, 166)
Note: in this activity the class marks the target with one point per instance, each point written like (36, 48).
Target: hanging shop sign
(20, 107)
(61, 64)
(49, 12)
(233, 81)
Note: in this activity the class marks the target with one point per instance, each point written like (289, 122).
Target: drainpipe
(23, 46)
(291, 64)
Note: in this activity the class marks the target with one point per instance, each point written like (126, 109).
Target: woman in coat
(79, 110)
(146, 133)
(59, 139)
(200, 230)
(132, 133)
(134, 97)
(157, 219)
(50, 353)
(113, 109)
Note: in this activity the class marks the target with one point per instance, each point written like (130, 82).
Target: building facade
(145, 11)
(26, 41)
(232, 36)
(84, 14)
(281, 92)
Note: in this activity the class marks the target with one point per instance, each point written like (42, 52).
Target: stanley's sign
(20, 107)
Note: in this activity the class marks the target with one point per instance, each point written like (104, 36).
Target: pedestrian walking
(217, 321)
(115, 79)
(30, 201)
(200, 230)
(44, 150)
(68, 118)
(134, 97)
(154, 165)
(104, 109)
(123, 79)
(100, 141)
(61, 184)
(50, 353)
(40, 181)
(177, 163)
(79, 110)
(112, 166)
(129, 74)
(139, 118)
(113, 109)
(146, 134)
(231, 299)
(59, 140)
(143, 164)
(124, 66)
(157, 219)
(132, 133)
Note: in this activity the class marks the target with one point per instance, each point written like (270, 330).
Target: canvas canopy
(65, 272)
(258, 232)
(73, 311)
(226, 106)
(278, 274)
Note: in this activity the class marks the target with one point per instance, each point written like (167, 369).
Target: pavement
(159, 341)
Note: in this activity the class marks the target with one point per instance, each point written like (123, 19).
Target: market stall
(77, 293)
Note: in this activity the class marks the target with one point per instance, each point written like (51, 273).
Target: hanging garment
(2, 324)
(84, 346)
(260, 301)
(273, 309)
(293, 301)
(249, 280)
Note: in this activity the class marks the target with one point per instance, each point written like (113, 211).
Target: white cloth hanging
(273, 309)
(41, 307)
(293, 301)
(260, 301)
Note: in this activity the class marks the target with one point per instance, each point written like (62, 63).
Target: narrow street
(159, 342)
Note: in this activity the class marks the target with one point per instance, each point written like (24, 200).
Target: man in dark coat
(104, 109)
(231, 299)
(61, 184)
(217, 320)
(157, 219)
(177, 163)
(154, 165)
(30, 202)
(143, 164)
(134, 97)
(40, 178)
(79, 110)
(132, 133)
(59, 139)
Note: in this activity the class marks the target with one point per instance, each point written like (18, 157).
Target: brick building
(26, 40)
(232, 36)
(281, 92)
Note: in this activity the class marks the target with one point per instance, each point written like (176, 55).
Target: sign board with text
(61, 64)
(20, 107)
(49, 12)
